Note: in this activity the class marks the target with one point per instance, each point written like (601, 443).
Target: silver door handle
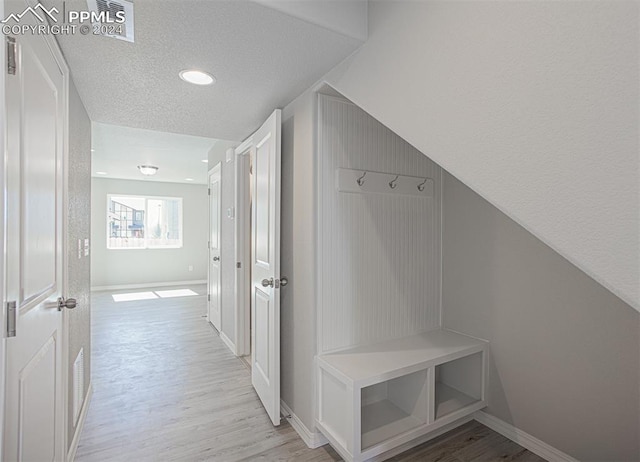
(267, 282)
(69, 303)
(216, 258)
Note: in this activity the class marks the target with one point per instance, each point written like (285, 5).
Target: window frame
(146, 198)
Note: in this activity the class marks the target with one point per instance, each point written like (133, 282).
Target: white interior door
(265, 266)
(36, 105)
(215, 312)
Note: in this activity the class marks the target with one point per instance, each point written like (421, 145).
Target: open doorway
(244, 181)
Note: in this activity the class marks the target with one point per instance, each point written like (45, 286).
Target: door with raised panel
(36, 121)
(215, 311)
(265, 266)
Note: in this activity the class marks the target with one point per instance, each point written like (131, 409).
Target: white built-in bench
(375, 398)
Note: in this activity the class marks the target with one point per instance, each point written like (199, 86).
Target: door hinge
(208, 297)
(209, 191)
(239, 265)
(208, 244)
(11, 319)
(11, 55)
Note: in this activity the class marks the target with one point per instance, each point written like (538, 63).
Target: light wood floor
(167, 389)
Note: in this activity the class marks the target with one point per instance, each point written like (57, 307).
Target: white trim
(522, 438)
(242, 251)
(227, 341)
(149, 285)
(83, 416)
(312, 439)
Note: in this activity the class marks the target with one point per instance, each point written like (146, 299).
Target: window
(139, 222)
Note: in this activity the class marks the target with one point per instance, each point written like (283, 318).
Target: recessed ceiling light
(93, 150)
(101, 173)
(148, 170)
(197, 77)
(188, 179)
(206, 161)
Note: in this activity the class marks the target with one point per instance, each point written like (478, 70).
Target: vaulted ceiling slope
(261, 57)
(534, 105)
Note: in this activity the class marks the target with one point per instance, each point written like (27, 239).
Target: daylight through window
(139, 222)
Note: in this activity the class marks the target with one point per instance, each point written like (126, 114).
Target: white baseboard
(312, 439)
(71, 455)
(524, 439)
(148, 285)
(227, 341)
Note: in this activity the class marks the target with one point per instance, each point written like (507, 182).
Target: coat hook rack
(368, 182)
(360, 180)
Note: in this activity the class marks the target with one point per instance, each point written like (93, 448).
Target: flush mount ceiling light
(148, 170)
(101, 173)
(197, 77)
(206, 161)
(188, 179)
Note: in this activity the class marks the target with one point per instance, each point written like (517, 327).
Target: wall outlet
(190, 267)
(86, 247)
(79, 248)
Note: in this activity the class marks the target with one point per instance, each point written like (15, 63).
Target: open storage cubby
(393, 407)
(375, 398)
(458, 385)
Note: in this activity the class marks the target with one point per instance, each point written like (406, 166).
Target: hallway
(166, 388)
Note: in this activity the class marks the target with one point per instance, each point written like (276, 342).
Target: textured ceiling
(117, 151)
(262, 59)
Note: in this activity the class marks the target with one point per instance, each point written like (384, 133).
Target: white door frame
(3, 225)
(59, 58)
(242, 248)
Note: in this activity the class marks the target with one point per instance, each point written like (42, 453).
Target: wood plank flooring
(166, 388)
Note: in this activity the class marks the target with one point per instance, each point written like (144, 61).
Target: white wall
(149, 266)
(534, 105)
(379, 254)
(78, 227)
(298, 233)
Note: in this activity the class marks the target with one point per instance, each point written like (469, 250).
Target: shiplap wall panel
(379, 254)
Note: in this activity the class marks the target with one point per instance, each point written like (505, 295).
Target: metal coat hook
(393, 184)
(360, 180)
(421, 185)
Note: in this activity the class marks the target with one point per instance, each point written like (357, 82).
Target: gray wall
(565, 352)
(79, 177)
(298, 299)
(149, 266)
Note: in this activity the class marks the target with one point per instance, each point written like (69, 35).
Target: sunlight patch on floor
(176, 293)
(130, 297)
(133, 296)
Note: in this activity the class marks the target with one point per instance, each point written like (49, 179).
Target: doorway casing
(242, 230)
